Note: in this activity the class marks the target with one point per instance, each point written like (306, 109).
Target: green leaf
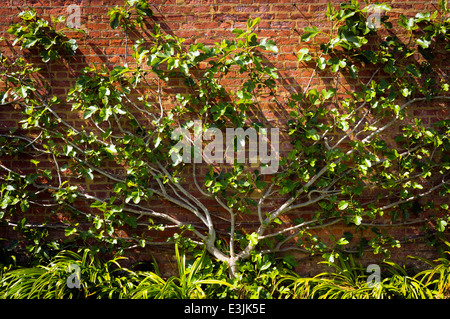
(343, 125)
(132, 221)
(238, 32)
(343, 205)
(413, 70)
(30, 42)
(28, 14)
(312, 134)
(406, 92)
(321, 63)
(342, 241)
(290, 260)
(331, 11)
(313, 96)
(303, 55)
(90, 110)
(440, 225)
(71, 46)
(111, 149)
(252, 22)
(408, 24)
(424, 43)
(353, 70)
(329, 257)
(70, 231)
(136, 198)
(268, 45)
(310, 32)
(443, 5)
(67, 149)
(102, 91)
(357, 220)
(277, 221)
(352, 39)
(144, 7)
(253, 238)
(327, 94)
(336, 64)
(114, 20)
(98, 222)
(260, 184)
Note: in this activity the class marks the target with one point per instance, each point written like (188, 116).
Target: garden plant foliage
(343, 149)
(201, 278)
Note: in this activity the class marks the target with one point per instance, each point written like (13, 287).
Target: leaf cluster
(39, 34)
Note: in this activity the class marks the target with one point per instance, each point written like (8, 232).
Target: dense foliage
(203, 278)
(342, 147)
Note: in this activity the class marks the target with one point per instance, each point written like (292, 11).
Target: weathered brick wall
(199, 20)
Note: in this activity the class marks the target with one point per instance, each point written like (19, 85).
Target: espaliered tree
(345, 165)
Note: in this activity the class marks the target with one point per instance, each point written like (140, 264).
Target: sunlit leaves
(35, 32)
(303, 55)
(310, 33)
(354, 84)
(130, 15)
(268, 45)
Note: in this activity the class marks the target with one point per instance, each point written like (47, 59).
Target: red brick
(205, 21)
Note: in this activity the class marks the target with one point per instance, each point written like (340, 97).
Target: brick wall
(199, 20)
